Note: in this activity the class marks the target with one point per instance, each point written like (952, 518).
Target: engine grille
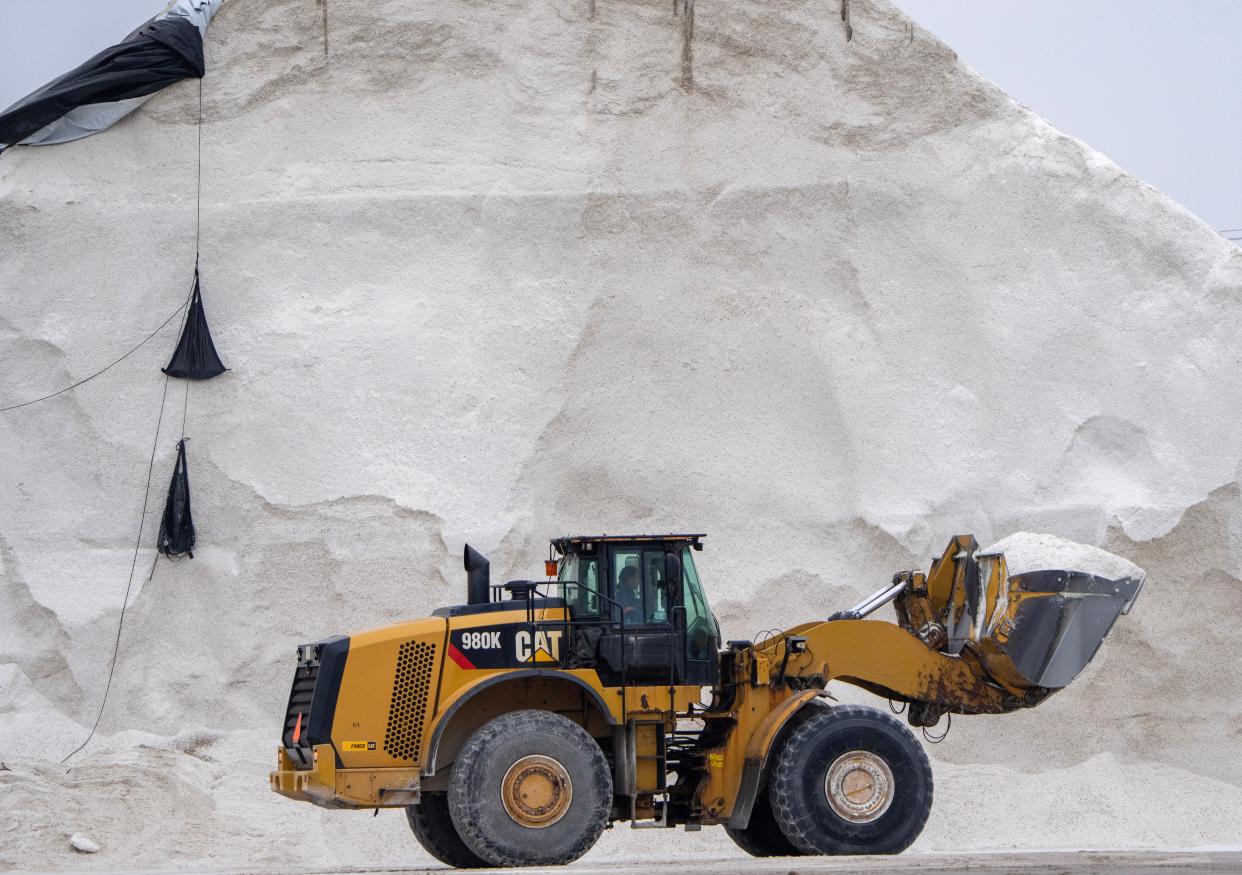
(300, 704)
(410, 688)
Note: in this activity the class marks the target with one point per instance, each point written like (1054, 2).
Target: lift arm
(889, 661)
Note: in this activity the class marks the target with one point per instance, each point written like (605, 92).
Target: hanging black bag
(177, 526)
(195, 357)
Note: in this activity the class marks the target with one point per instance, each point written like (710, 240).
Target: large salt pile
(511, 270)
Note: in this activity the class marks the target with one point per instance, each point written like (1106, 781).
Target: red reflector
(297, 730)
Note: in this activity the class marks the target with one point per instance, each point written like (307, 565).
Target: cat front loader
(515, 728)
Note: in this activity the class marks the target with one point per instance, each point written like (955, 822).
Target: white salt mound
(422, 320)
(1027, 551)
(83, 843)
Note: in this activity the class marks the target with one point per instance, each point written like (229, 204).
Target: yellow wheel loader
(515, 728)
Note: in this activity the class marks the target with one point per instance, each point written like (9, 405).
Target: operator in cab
(630, 594)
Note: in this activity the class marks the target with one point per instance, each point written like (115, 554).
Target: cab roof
(567, 543)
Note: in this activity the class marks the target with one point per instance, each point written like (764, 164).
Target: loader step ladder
(647, 748)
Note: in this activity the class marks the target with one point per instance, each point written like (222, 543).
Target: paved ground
(1026, 863)
(1086, 863)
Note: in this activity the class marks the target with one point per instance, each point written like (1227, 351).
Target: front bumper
(316, 784)
(325, 785)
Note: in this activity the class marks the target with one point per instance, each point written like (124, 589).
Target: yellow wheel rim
(536, 791)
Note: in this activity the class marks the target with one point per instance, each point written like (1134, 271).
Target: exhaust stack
(478, 577)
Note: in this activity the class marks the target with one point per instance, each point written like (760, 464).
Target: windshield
(698, 614)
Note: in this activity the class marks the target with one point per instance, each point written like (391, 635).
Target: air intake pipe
(478, 577)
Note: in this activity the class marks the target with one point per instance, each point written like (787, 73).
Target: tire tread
(432, 825)
(783, 782)
(762, 837)
(463, 801)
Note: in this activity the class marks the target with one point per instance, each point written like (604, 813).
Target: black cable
(764, 636)
(198, 233)
(101, 370)
(116, 646)
(198, 209)
(936, 739)
(185, 404)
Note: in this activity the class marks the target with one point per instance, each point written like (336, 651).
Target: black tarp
(161, 52)
(195, 357)
(177, 526)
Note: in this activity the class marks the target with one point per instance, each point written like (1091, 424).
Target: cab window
(637, 587)
(579, 583)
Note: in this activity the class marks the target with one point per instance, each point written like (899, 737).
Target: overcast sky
(1155, 85)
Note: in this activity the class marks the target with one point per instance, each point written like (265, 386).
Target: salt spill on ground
(1026, 551)
(201, 799)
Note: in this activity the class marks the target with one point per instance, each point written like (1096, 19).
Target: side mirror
(672, 571)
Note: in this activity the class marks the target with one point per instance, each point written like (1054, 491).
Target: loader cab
(638, 608)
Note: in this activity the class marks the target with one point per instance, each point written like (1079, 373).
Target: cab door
(640, 640)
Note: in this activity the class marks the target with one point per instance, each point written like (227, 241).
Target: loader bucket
(1040, 627)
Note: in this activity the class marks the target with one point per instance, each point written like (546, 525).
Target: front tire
(851, 780)
(432, 825)
(762, 837)
(530, 788)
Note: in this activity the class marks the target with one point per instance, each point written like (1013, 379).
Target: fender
(466, 694)
(759, 749)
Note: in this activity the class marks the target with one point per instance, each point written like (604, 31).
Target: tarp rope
(198, 199)
(198, 236)
(116, 644)
(180, 308)
(146, 493)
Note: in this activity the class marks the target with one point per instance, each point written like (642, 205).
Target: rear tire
(530, 788)
(851, 780)
(432, 825)
(762, 837)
